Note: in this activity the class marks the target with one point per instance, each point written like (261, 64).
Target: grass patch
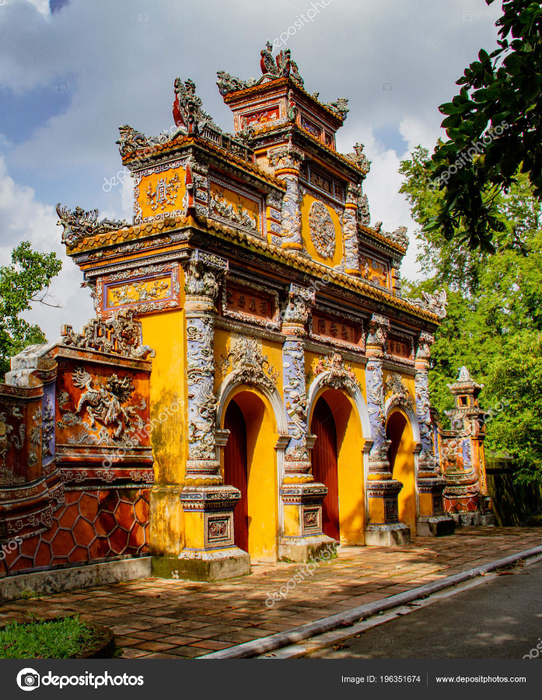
(53, 639)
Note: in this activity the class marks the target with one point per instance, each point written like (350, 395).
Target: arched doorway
(235, 470)
(250, 465)
(401, 459)
(324, 465)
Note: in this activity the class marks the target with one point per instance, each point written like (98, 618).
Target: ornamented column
(431, 518)
(384, 528)
(302, 497)
(287, 163)
(202, 276)
(208, 505)
(466, 497)
(350, 230)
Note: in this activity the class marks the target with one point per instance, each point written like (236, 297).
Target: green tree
(494, 127)
(23, 282)
(494, 319)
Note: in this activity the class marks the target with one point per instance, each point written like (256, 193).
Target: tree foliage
(494, 320)
(494, 127)
(22, 282)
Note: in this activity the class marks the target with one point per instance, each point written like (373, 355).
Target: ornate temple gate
(251, 268)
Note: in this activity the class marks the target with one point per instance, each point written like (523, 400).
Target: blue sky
(72, 71)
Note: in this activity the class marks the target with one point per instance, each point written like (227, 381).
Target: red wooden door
(235, 470)
(324, 465)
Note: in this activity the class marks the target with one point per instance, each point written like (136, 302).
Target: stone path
(159, 618)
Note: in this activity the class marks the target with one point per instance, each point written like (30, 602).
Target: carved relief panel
(233, 206)
(146, 290)
(159, 192)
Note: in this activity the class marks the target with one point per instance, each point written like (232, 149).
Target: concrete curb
(70, 578)
(281, 639)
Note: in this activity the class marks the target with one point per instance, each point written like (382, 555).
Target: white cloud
(119, 59)
(23, 218)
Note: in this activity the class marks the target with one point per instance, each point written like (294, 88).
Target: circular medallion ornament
(322, 230)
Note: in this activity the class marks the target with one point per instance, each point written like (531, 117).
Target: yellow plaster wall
(176, 184)
(308, 199)
(262, 489)
(165, 334)
(403, 471)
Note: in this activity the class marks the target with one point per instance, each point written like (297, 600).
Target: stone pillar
(302, 498)
(287, 163)
(350, 230)
(208, 504)
(432, 521)
(384, 528)
(396, 277)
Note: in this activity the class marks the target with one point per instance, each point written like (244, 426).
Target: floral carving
(377, 416)
(322, 230)
(7, 439)
(400, 395)
(249, 364)
(140, 291)
(200, 281)
(48, 428)
(339, 374)
(164, 194)
(299, 304)
(201, 401)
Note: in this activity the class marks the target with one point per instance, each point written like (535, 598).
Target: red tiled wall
(92, 525)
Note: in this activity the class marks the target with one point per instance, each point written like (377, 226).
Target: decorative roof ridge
(374, 232)
(188, 140)
(282, 67)
(311, 266)
(270, 128)
(130, 232)
(171, 224)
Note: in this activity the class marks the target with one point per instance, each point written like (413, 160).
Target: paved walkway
(159, 618)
